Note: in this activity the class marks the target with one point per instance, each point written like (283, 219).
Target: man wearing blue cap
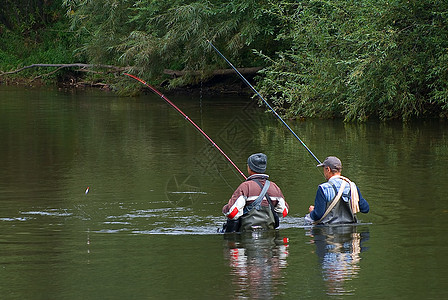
(257, 202)
(337, 200)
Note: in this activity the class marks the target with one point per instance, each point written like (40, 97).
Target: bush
(382, 59)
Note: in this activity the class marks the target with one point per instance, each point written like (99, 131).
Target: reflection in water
(338, 249)
(256, 260)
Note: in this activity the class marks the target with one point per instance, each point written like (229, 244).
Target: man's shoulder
(274, 184)
(244, 183)
(325, 185)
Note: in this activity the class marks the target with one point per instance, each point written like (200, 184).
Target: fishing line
(268, 105)
(189, 120)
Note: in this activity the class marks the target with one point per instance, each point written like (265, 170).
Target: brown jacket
(248, 191)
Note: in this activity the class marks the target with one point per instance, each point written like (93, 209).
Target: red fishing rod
(189, 120)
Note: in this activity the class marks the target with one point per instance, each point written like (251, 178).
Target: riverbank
(217, 85)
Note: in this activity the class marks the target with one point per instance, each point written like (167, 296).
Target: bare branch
(83, 67)
(46, 74)
(217, 72)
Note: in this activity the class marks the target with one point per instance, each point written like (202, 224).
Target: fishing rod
(268, 105)
(189, 120)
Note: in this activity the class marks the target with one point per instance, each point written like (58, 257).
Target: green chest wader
(259, 217)
(338, 211)
(253, 212)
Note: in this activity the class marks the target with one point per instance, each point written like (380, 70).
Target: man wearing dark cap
(337, 200)
(257, 202)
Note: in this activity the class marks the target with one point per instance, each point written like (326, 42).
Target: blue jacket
(341, 213)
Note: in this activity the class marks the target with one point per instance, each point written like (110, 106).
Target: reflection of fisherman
(339, 250)
(257, 260)
(337, 200)
(256, 203)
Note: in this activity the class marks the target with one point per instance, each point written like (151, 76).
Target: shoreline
(218, 85)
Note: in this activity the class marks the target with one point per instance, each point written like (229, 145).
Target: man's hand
(311, 208)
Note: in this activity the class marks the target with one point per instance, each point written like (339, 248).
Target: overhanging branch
(246, 71)
(83, 67)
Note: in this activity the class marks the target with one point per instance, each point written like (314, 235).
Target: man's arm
(320, 204)
(234, 208)
(363, 204)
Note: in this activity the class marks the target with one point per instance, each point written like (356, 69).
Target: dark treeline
(351, 59)
(26, 15)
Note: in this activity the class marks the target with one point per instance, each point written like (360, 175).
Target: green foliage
(155, 35)
(101, 24)
(340, 58)
(28, 15)
(360, 59)
(34, 32)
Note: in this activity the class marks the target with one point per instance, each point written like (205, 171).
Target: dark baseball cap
(332, 162)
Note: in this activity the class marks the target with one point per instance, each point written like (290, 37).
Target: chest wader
(259, 217)
(254, 215)
(338, 211)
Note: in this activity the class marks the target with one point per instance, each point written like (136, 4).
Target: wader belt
(276, 218)
(257, 202)
(333, 202)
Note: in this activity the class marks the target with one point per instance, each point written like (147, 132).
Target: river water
(105, 197)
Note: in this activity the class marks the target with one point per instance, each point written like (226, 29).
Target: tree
(25, 15)
(155, 35)
(360, 59)
(34, 32)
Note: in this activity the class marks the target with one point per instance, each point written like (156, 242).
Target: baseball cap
(332, 162)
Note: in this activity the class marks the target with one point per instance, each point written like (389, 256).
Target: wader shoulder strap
(333, 202)
(257, 202)
(276, 218)
(354, 196)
